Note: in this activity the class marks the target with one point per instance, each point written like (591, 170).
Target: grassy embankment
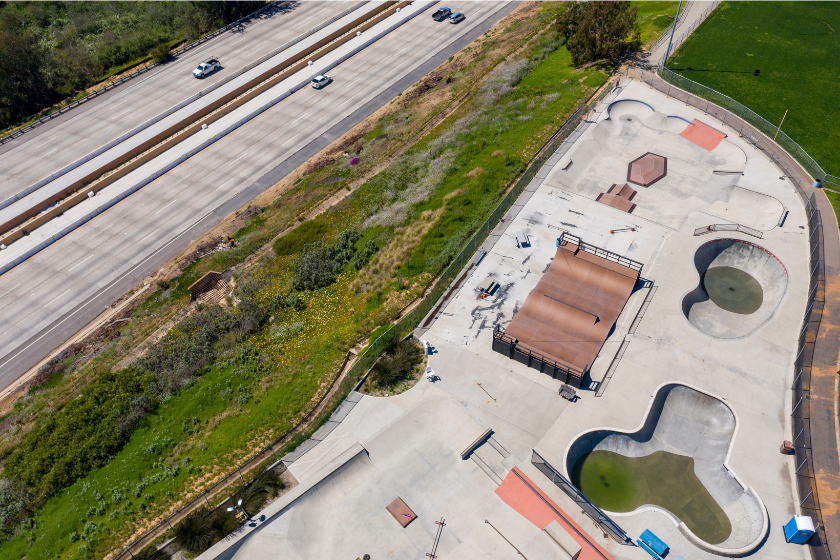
(418, 210)
(793, 46)
(653, 18)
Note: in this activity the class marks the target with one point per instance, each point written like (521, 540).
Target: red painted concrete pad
(535, 506)
(703, 135)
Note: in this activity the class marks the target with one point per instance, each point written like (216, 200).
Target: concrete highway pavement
(54, 293)
(39, 155)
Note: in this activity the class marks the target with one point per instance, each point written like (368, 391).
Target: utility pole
(673, 29)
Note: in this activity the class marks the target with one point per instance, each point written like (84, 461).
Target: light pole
(240, 511)
(673, 29)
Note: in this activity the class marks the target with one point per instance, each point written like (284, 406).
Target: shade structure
(647, 170)
(570, 312)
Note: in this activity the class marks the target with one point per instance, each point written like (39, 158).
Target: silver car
(457, 17)
(320, 81)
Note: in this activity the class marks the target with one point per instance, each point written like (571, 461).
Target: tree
(599, 30)
(23, 87)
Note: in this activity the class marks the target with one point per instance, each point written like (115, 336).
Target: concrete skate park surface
(410, 445)
(684, 421)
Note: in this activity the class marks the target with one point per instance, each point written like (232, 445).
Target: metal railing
(599, 252)
(509, 346)
(60, 111)
(728, 227)
(594, 512)
(667, 33)
(799, 168)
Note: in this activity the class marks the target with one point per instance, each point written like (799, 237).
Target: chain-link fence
(345, 381)
(678, 40)
(801, 411)
(795, 165)
(746, 121)
(594, 512)
(665, 35)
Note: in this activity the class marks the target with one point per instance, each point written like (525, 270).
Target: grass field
(794, 48)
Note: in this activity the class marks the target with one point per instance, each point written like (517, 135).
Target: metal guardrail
(60, 111)
(599, 252)
(728, 227)
(594, 512)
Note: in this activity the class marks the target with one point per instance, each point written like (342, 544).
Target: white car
(320, 81)
(206, 68)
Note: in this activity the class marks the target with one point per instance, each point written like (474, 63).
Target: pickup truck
(207, 68)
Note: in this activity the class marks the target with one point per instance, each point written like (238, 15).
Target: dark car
(441, 14)
(457, 17)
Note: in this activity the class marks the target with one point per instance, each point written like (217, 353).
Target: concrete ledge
(284, 502)
(471, 447)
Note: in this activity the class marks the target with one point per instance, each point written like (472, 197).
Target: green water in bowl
(623, 484)
(733, 290)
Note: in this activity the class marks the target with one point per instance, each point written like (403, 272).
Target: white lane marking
(53, 301)
(45, 143)
(78, 264)
(250, 134)
(399, 51)
(290, 139)
(300, 117)
(165, 207)
(151, 234)
(239, 41)
(237, 159)
(121, 114)
(103, 231)
(10, 291)
(48, 153)
(181, 179)
(181, 82)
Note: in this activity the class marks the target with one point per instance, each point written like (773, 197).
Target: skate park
(685, 355)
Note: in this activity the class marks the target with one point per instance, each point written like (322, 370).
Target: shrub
(256, 493)
(294, 241)
(318, 264)
(396, 364)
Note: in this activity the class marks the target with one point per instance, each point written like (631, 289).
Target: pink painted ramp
(703, 135)
(520, 493)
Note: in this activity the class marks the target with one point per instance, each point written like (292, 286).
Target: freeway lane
(150, 94)
(55, 293)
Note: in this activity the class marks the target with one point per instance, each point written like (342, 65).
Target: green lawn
(795, 48)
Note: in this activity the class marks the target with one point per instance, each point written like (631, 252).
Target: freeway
(50, 147)
(56, 292)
